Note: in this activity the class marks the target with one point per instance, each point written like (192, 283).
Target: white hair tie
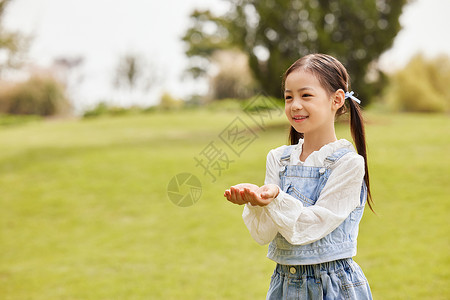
(350, 95)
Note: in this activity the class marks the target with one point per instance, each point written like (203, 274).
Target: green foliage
(262, 102)
(258, 103)
(12, 44)
(276, 33)
(85, 212)
(99, 110)
(228, 104)
(168, 102)
(42, 96)
(104, 109)
(422, 86)
(13, 120)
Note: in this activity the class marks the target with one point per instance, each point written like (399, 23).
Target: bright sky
(103, 30)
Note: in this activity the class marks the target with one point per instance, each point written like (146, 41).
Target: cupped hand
(235, 193)
(250, 193)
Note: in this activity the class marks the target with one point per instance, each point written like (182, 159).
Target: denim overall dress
(323, 269)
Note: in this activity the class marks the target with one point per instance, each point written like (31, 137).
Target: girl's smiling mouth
(298, 118)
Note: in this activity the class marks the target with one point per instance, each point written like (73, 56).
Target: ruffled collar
(317, 158)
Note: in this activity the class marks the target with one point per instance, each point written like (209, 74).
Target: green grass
(85, 212)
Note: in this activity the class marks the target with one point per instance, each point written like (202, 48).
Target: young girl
(315, 189)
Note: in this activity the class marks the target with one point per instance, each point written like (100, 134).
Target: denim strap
(335, 156)
(286, 156)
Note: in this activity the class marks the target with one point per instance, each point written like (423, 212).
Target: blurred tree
(12, 44)
(274, 33)
(168, 102)
(233, 78)
(69, 72)
(134, 77)
(39, 95)
(421, 86)
(133, 72)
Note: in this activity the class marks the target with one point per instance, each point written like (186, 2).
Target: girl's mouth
(299, 119)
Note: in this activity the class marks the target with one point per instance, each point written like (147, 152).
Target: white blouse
(303, 225)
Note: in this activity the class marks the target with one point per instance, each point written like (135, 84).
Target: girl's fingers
(237, 197)
(231, 194)
(243, 193)
(251, 197)
(228, 195)
(234, 193)
(265, 195)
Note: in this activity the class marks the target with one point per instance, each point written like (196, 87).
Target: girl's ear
(338, 99)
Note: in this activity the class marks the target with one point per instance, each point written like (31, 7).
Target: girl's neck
(313, 142)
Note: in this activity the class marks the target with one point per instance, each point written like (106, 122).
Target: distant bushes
(169, 103)
(42, 96)
(13, 120)
(103, 109)
(422, 86)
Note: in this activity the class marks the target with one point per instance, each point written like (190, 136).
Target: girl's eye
(306, 95)
(287, 98)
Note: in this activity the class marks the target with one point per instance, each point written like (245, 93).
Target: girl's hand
(265, 194)
(234, 194)
(250, 193)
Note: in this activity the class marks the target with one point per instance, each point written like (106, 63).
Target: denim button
(292, 270)
(322, 170)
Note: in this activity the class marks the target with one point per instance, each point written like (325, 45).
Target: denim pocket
(305, 200)
(354, 284)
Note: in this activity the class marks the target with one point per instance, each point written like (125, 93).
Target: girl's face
(308, 106)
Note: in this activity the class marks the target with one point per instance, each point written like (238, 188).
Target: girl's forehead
(300, 78)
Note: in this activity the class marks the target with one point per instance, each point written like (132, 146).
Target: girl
(315, 189)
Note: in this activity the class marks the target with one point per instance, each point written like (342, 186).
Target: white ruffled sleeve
(259, 223)
(301, 225)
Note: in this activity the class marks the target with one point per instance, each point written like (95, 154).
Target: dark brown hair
(333, 76)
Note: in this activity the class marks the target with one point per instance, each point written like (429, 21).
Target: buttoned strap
(335, 156)
(286, 156)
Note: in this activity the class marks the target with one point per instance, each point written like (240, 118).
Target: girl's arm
(260, 225)
(341, 195)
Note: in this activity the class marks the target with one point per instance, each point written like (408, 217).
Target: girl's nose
(297, 105)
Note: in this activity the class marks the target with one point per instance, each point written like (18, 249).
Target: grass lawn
(85, 211)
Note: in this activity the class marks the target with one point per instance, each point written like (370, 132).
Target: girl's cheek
(287, 110)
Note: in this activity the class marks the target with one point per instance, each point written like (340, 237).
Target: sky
(101, 31)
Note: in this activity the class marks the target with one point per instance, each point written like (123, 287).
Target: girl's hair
(333, 76)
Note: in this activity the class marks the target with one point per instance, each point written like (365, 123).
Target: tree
(233, 78)
(274, 33)
(39, 95)
(421, 86)
(134, 71)
(12, 44)
(136, 74)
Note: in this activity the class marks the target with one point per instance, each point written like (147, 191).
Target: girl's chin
(297, 127)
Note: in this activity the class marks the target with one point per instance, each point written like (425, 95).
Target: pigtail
(294, 136)
(359, 137)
